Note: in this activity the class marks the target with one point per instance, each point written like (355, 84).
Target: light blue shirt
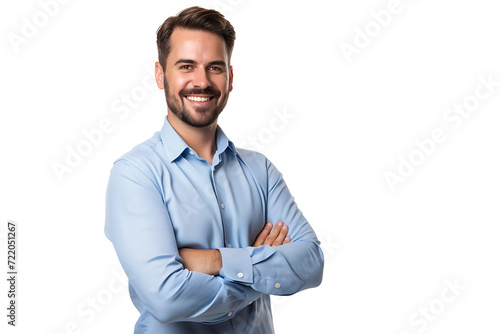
(162, 196)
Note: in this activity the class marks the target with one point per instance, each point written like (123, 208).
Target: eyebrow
(190, 61)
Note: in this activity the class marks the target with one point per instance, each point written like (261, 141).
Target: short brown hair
(195, 18)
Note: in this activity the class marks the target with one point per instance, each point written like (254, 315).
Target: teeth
(198, 99)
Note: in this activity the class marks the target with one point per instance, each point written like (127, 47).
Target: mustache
(195, 91)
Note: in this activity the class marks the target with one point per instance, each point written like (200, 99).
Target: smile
(199, 98)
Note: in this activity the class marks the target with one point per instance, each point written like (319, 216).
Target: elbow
(320, 264)
(164, 311)
(167, 312)
(317, 276)
(175, 301)
(312, 268)
(161, 314)
(165, 303)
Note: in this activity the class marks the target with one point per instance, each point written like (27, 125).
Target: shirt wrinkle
(158, 200)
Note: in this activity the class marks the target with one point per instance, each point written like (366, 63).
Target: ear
(159, 75)
(230, 78)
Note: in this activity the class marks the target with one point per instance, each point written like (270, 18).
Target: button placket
(221, 204)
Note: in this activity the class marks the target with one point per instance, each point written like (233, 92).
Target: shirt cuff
(236, 265)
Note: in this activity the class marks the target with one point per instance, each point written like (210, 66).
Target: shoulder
(251, 156)
(146, 157)
(256, 160)
(261, 167)
(253, 159)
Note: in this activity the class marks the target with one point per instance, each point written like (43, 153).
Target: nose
(201, 79)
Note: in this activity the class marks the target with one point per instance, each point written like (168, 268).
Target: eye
(215, 68)
(185, 67)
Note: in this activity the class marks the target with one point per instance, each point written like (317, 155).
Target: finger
(281, 236)
(287, 240)
(262, 235)
(274, 234)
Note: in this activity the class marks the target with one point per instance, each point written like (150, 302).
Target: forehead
(201, 46)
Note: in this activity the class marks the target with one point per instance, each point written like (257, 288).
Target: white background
(388, 253)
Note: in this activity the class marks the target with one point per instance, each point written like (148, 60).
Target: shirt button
(240, 275)
(222, 205)
(277, 285)
(230, 314)
(191, 152)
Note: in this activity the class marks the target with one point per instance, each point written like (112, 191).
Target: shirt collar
(175, 146)
(223, 142)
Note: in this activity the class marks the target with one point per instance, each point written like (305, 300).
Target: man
(186, 211)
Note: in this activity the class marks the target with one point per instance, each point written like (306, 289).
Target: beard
(198, 117)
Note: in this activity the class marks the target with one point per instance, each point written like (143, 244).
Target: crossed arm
(209, 261)
(282, 261)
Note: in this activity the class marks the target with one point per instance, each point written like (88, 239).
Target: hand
(207, 261)
(276, 237)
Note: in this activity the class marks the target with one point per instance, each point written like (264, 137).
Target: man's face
(197, 78)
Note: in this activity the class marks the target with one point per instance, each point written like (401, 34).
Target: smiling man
(205, 231)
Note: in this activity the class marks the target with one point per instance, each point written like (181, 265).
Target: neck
(201, 140)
